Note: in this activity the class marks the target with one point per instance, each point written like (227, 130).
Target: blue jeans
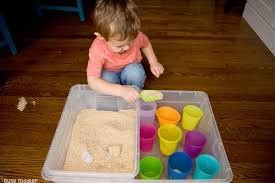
(133, 75)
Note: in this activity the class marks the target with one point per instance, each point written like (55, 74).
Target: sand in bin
(102, 141)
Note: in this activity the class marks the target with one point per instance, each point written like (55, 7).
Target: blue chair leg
(7, 36)
(81, 10)
(78, 8)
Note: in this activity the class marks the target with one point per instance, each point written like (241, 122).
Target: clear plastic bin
(81, 97)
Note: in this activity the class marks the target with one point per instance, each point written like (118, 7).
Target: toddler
(114, 66)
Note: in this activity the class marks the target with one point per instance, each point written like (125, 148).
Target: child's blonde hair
(116, 17)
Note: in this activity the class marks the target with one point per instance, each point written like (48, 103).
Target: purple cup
(194, 143)
(147, 112)
(147, 136)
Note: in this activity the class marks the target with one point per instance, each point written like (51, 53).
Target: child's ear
(99, 35)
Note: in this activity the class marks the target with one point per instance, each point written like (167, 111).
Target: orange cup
(167, 115)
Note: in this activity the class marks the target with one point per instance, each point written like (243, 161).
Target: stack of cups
(179, 165)
(150, 168)
(194, 143)
(167, 115)
(207, 167)
(169, 137)
(191, 116)
(147, 136)
(147, 112)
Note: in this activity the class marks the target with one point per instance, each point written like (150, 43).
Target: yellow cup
(169, 137)
(191, 115)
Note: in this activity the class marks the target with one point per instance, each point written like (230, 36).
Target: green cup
(150, 168)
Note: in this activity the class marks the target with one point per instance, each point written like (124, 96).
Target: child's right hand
(129, 94)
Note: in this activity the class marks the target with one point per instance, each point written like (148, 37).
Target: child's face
(117, 46)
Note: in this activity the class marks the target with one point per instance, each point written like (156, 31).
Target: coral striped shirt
(100, 57)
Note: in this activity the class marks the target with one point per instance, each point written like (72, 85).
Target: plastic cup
(169, 137)
(191, 116)
(179, 165)
(150, 168)
(207, 167)
(167, 115)
(147, 112)
(194, 143)
(147, 136)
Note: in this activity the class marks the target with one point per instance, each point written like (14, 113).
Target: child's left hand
(157, 69)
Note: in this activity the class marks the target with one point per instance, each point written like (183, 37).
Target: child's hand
(129, 94)
(157, 69)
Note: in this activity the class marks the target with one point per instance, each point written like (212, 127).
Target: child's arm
(126, 92)
(155, 67)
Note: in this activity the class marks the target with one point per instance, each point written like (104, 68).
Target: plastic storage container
(81, 97)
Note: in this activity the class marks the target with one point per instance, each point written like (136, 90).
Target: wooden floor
(201, 47)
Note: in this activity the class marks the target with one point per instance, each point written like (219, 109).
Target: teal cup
(207, 167)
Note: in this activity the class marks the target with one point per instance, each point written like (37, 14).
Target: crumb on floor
(22, 102)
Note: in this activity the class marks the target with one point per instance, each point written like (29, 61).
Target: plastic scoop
(151, 95)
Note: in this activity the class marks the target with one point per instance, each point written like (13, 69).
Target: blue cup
(179, 165)
(207, 167)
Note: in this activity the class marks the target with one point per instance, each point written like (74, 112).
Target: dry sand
(102, 141)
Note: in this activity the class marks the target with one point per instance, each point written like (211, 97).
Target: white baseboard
(261, 27)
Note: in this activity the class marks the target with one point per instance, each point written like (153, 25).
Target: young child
(114, 66)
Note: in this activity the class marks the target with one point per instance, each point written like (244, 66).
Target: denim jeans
(133, 75)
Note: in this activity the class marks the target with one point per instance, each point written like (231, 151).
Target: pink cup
(147, 136)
